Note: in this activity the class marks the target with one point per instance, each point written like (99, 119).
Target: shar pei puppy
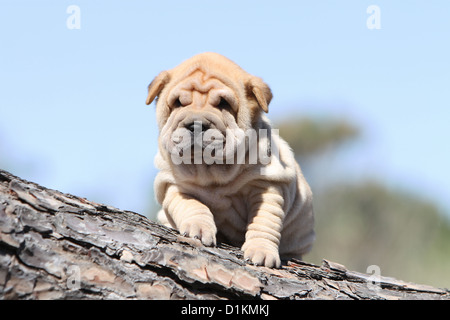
(224, 174)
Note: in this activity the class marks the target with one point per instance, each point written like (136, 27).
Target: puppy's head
(203, 103)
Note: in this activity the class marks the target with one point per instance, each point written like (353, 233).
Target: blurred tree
(365, 223)
(307, 137)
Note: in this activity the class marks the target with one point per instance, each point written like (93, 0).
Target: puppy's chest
(221, 203)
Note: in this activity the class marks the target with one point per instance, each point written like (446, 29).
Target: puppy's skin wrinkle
(265, 208)
(264, 227)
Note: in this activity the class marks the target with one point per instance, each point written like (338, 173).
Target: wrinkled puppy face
(203, 109)
(205, 106)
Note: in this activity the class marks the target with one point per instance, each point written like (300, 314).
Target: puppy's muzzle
(197, 127)
(204, 134)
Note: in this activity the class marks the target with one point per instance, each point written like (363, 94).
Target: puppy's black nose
(197, 126)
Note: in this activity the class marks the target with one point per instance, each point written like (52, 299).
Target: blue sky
(72, 101)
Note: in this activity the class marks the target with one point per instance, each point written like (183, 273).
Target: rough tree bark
(59, 246)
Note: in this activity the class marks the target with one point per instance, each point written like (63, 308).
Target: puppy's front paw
(199, 228)
(262, 253)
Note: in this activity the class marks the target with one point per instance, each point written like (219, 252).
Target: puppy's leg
(264, 228)
(191, 217)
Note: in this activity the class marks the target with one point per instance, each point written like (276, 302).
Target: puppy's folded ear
(261, 91)
(155, 87)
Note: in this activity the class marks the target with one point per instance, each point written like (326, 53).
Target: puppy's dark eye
(177, 103)
(223, 104)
